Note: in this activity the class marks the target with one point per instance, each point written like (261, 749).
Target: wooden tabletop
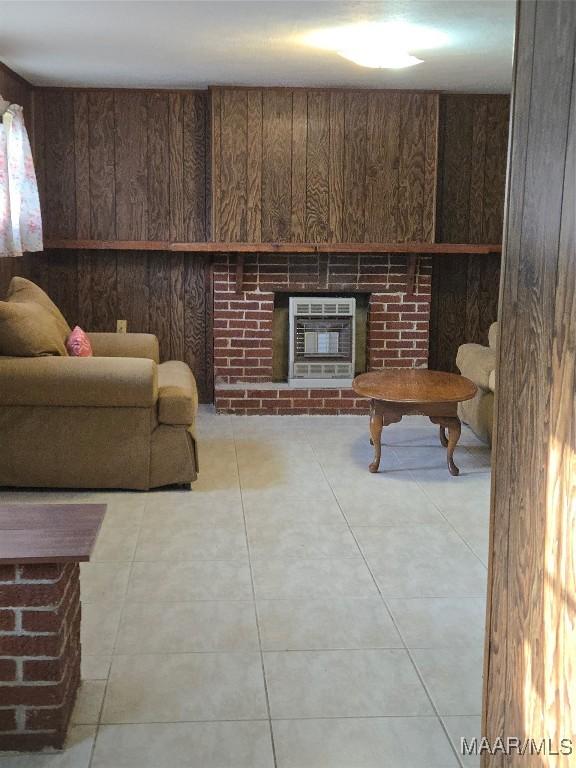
(48, 533)
(410, 385)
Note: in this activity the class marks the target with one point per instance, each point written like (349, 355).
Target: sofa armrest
(125, 345)
(78, 381)
(476, 363)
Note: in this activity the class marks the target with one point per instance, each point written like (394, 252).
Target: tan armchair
(478, 363)
(116, 420)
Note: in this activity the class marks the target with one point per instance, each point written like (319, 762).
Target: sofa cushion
(22, 290)
(493, 335)
(29, 330)
(177, 393)
(492, 381)
(476, 363)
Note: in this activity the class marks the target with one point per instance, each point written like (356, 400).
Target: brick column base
(39, 653)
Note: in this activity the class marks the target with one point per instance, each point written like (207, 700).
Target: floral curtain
(20, 220)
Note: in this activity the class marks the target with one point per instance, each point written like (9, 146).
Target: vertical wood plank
(60, 202)
(457, 140)
(497, 119)
(85, 298)
(336, 195)
(233, 216)
(216, 160)
(254, 167)
(477, 171)
(177, 301)
(355, 121)
(82, 164)
(132, 288)
(159, 306)
(194, 160)
(530, 644)
(276, 165)
(176, 144)
(158, 172)
(383, 167)
(131, 150)
(102, 170)
(299, 144)
(431, 168)
(196, 343)
(317, 167)
(412, 158)
(103, 290)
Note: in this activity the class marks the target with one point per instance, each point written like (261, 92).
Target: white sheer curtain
(20, 220)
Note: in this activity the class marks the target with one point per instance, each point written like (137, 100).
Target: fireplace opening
(319, 340)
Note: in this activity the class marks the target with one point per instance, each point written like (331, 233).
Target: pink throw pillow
(78, 343)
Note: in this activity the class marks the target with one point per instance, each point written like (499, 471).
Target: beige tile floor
(293, 610)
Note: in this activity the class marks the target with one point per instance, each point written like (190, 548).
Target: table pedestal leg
(376, 424)
(443, 438)
(454, 427)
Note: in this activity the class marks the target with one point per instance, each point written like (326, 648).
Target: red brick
(7, 670)
(48, 719)
(7, 572)
(7, 719)
(7, 621)
(43, 670)
(49, 571)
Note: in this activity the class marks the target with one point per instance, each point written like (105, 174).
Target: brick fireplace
(245, 332)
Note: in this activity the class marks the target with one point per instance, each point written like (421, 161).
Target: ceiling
(195, 44)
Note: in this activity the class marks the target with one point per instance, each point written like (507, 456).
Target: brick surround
(39, 653)
(397, 334)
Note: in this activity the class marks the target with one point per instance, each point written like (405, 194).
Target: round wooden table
(400, 392)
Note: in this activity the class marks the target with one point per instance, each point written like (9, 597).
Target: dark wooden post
(530, 663)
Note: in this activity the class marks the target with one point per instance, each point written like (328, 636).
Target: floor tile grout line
(256, 617)
(115, 640)
(448, 521)
(400, 634)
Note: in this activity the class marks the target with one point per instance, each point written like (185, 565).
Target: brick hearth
(397, 333)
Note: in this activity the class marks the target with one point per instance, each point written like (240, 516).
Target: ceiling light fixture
(379, 45)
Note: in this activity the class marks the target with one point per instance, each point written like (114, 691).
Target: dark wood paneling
(122, 165)
(317, 167)
(231, 201)
(131, 171)
(529, 690)
(194, 130)
(473, 141)
(323, 165)
(102, 168)
(126, 165)
(254, 167)
(276, 165)
(159, 173)
(299, 142)
(60, 196)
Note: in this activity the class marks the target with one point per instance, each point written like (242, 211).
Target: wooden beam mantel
(300, 248)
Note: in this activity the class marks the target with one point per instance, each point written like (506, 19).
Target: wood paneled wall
(115, 164)
(472, 161)
(122, 165)
(530, 669)
(323, 165)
